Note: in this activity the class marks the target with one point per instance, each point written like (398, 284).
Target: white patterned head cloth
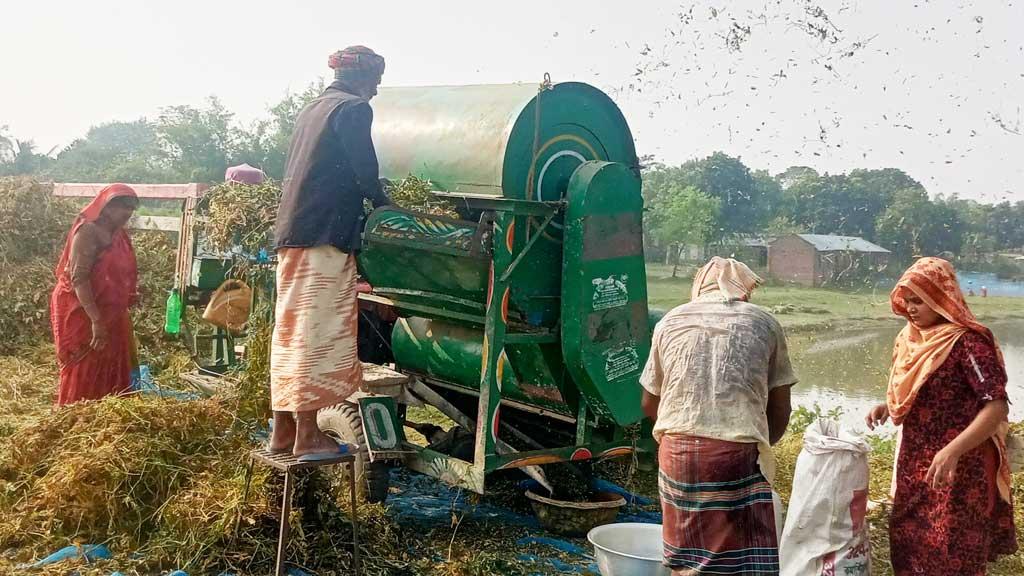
(730, 277)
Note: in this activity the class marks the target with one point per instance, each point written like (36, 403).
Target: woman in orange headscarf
(952, 511)
(96, 283)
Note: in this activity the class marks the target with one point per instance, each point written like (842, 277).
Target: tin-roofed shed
(822, 259)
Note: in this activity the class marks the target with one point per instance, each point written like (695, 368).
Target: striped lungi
(717, 511)
(314, 361)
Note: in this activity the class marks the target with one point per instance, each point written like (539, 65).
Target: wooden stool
(289, 464)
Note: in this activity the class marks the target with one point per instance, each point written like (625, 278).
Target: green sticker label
(610, 292)
(620, 362)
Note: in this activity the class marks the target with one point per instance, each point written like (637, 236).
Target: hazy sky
(922, 91)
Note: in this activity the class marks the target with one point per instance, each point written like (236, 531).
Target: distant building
(750, 249)
(818, 259)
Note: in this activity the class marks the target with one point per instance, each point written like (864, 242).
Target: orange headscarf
(918, 353)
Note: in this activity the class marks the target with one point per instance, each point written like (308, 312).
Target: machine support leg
(494, 340)
(582, 434)
(448, 409)
(355, 521)
(286, 511)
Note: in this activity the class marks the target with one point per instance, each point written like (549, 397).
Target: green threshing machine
(525, 320)
(527, 317)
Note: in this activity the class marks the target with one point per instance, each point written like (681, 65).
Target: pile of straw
(416, 194)
(240, 216)
(33, 225)
(27, 385)
(164, 481)
(101, 471)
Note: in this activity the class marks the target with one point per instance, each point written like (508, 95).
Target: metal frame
(490, 452)
(152, 191)
(504, 402)
(288, 465)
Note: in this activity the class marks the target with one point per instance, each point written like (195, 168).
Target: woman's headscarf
(90, 214)
(730, 277)
(918, 353)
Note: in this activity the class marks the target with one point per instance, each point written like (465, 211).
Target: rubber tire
(373, 479)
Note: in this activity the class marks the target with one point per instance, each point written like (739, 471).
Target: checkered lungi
(717, 511)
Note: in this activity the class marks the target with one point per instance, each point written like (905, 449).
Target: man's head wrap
(732, 278)
(356, 63)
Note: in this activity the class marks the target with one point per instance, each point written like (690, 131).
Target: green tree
(658, 180)
(687, 217)
(743, 208)
(795, 174)
(899, 228)
(846, 204)
(885, 181)
(770, 199)
(265, 143)
(198, 143)
(114, 152)
(976, 234)
(1007, 224)
(25, 160)
(782, 225)
(945, 230)
(914, 226)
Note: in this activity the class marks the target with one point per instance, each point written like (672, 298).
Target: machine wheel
(372, 478)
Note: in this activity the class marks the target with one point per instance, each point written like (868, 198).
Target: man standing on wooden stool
(331, 168)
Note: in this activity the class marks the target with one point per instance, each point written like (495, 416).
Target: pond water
(849, 369)
(996, 287)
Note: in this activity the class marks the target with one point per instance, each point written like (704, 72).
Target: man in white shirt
(717, 386)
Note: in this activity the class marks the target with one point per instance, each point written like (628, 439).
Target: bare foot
(309, 439)
(282, 438)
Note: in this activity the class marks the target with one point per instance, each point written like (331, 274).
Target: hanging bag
(229, 306)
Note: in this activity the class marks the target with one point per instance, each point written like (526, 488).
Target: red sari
(87, 374)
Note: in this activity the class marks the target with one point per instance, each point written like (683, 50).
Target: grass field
(801, 308)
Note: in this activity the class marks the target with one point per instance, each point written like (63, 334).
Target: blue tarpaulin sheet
(422, 500)
(89, 552)
(142, 382)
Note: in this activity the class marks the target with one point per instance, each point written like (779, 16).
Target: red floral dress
(957, 529)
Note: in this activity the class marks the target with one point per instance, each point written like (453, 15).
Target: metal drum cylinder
(452, 353)
(511, 140)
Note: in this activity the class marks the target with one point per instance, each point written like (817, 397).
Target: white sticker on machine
(620, 361)
(610, 292)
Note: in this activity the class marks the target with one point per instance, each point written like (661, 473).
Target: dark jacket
(331, 168)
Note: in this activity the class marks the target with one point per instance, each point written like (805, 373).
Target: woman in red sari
(96, 283)
(952, 512)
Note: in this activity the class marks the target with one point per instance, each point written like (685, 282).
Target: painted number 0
(380, 427)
